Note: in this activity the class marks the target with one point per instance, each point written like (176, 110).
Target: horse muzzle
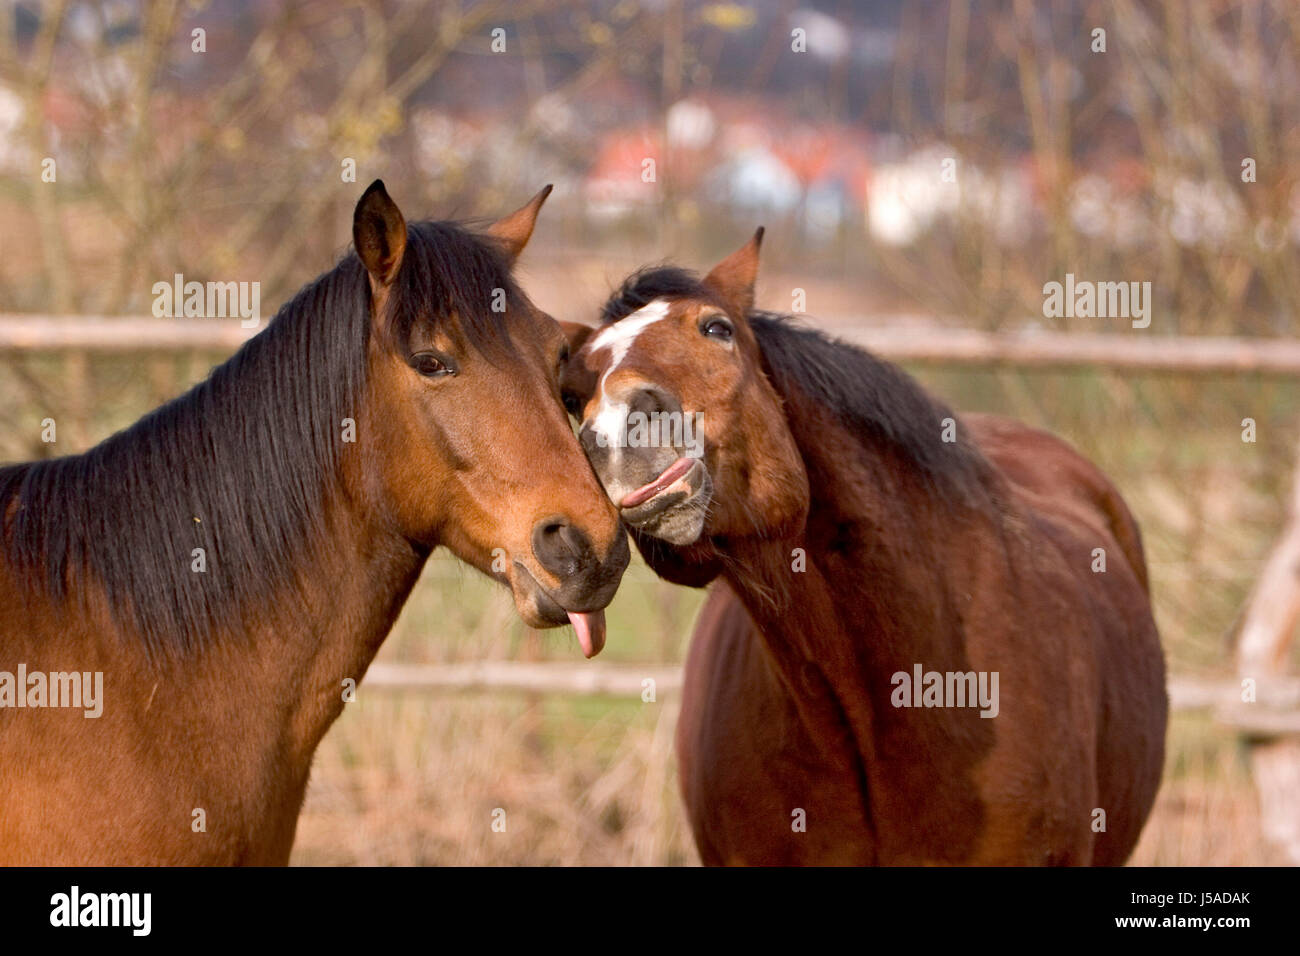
(586, 584)
(672, 506)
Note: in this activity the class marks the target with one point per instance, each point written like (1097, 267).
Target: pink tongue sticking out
(666, 478)
(590, 629)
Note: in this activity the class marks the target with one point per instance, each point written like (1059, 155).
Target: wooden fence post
(1262, 645)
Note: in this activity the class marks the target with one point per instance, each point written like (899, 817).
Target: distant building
(14, 155)
(618, 182)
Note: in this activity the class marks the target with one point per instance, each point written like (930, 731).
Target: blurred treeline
(1122, 165)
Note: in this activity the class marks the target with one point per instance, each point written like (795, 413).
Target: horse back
(1060, 481)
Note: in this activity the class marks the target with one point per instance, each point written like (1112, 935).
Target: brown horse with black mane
(912, 654)
(202, 587)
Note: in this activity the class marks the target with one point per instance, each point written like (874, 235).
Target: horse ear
(513, 231)
(733, 278)
(577, 334)
(379, 233)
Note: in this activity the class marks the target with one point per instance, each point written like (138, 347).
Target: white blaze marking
(611, 417)
(620, 336)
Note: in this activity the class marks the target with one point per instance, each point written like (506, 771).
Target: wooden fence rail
(56, 333)
(1278, 700)
(1137, 351)
(1134, 352)
(594, 680)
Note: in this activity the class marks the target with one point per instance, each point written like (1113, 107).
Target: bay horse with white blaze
(227, 566)
(910, 655)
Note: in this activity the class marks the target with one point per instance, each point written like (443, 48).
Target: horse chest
(758, 787)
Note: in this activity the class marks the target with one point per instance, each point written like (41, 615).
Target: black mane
(875, 398)
(243, 463)
(654, 282)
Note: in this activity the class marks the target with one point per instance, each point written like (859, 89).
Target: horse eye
(716, 327)
(430, 365)
(572, 404)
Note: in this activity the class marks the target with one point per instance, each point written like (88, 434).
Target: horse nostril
(561, 547)
(652, 400)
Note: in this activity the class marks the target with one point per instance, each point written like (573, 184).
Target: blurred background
(1160, 150)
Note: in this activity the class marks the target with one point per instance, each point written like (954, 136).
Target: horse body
(857, 550)
(764, 732)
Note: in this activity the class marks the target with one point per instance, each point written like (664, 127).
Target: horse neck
(348, 598)
(320, 621)
(881, 585)
(331, 616)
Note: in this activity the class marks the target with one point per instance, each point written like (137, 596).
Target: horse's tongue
(590, 629)
(666, 478)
